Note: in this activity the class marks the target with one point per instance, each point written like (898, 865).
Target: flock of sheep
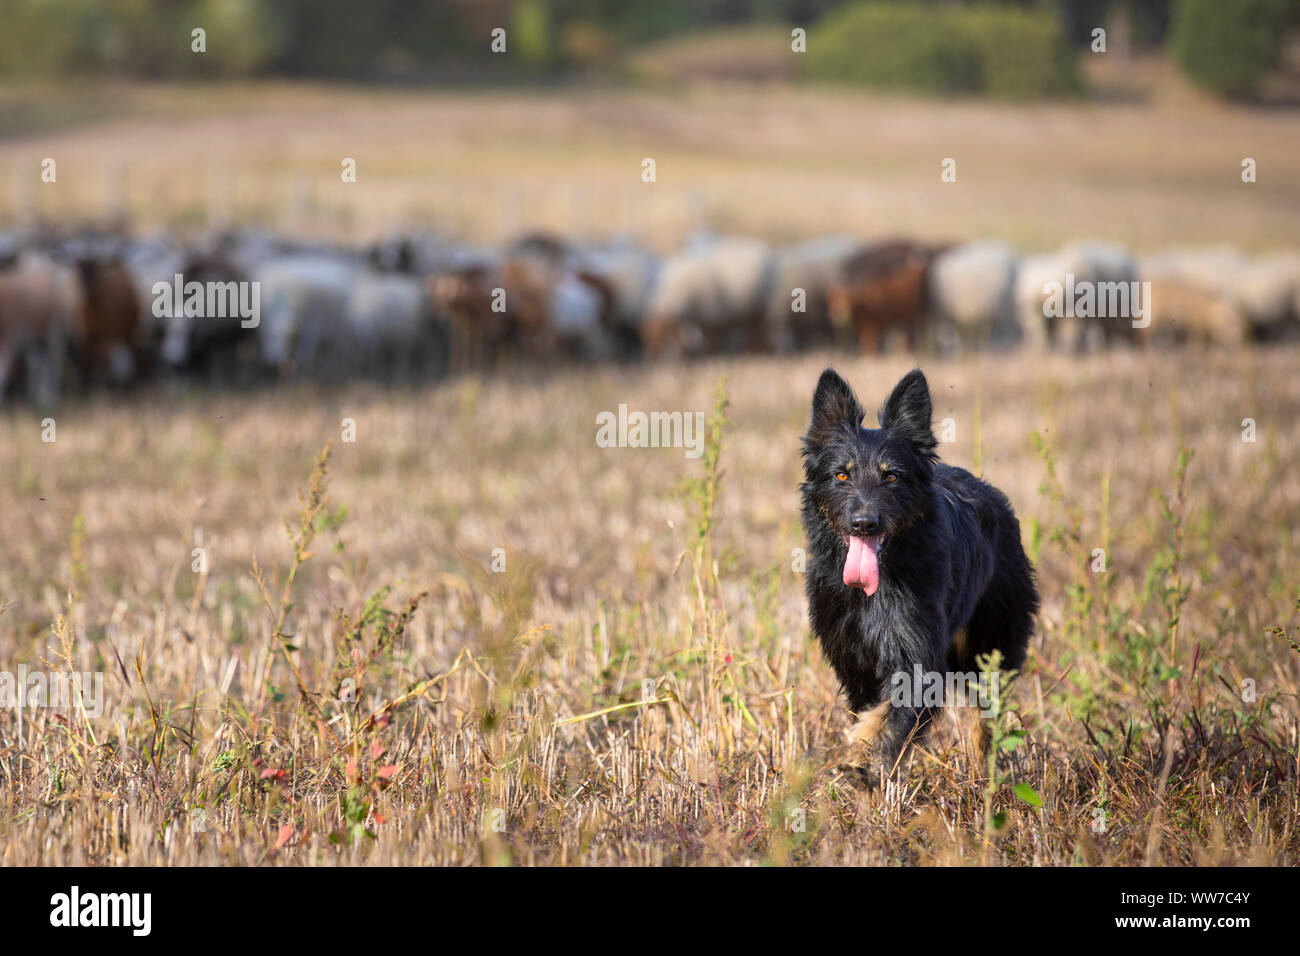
(90, 308)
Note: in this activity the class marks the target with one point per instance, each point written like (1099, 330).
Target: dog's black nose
(865, 524)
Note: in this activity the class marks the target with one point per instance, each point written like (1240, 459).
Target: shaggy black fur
(949, 557)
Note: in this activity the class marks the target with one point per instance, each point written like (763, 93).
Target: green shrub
(1228, 47)
(981, 48)
(530, 33)
(242, 35)
(62, 38)
(29, 48)
(1022, 53)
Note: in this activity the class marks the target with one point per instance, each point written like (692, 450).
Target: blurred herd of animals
(89, 308)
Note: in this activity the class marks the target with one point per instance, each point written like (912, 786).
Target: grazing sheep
(303, 327)
(1109, 266)
(149, 261)
(395, 328)
(1266, 290)
(882, 290)
(972, 289)
(1263, 291)
(811, 267)
(1033, 273)
(465, 291)
(1183, 311)
(528, 303)
(218, 347)
(630, 275)
(709, 298)
(527, 281)
(108, 335)
(563, 307)
(1102, 272)
(39, 303)
(1193, 298)
(582, 314)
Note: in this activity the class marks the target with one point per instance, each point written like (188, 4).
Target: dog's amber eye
(841, 476)
(890, 477)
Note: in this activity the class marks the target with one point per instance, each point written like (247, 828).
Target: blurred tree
(29, 48)
(1010, 50)
(1080, 17)
(135, 37)
(1229, 47)
(1225, 44)
(242, 35)
(1150, 19)
(530, 33)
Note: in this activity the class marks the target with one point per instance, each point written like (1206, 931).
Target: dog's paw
(868, 775)
(864, 759)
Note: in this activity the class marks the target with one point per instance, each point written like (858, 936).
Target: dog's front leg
(885, 727)
(880, 735)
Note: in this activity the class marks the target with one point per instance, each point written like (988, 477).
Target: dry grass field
(778, 161)
(473, 636)
(636, 683)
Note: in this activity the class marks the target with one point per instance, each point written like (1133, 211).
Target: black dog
(912, 563)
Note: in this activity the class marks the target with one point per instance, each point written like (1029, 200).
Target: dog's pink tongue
(862, 570)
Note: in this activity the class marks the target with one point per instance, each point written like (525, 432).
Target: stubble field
(609, 661)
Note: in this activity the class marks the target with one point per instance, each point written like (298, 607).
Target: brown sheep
(107, 333)
(38, 302)
(881, 290)
(479, 334)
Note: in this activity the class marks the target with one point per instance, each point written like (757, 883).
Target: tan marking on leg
(869, 726)
(959, 644)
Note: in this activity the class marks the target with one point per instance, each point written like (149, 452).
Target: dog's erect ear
(907, 412)
(834, 404)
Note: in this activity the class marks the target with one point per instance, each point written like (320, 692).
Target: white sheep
(972, 288)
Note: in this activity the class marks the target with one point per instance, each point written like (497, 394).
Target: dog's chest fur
(931, 575)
